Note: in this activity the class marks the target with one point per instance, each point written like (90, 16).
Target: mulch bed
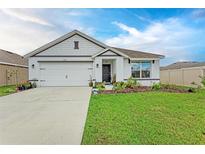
(144, 89)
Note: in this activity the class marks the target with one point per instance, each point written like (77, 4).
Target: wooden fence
(185, 76)
(10, 75)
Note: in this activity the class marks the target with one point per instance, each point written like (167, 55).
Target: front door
(106, 73)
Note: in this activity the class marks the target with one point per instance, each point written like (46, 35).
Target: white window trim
(141, 69)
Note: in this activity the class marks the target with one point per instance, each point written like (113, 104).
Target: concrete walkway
(54, 115)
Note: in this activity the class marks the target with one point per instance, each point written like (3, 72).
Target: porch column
(119, 69)
(98, 69)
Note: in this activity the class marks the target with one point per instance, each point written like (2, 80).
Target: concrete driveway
(51, 115)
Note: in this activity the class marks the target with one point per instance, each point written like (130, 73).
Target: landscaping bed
(171, 89)
(132, 85)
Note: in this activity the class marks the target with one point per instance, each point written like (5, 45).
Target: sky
(179, 34)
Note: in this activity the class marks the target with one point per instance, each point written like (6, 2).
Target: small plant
(156, 86)
(91, 84)
(100, 86)
(131, 83)
(119, 86)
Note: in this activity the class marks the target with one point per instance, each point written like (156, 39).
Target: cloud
(77, 12)
(199, 13)
(23, 37)
(146, 19)
(169, 37)
(25, 15)
(70, 25)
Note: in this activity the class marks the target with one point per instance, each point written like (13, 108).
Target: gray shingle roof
(138, 54)
(179, 65)
(13, 58)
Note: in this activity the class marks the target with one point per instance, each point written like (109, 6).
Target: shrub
(165, 86)
(91, 84)
(156, 86)
(131, 83)
(100, 86)
(119, 85)
(192, 90)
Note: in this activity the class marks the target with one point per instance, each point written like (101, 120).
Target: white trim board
(13, 64)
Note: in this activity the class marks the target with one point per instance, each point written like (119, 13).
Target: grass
(6, 90)
(146, 118)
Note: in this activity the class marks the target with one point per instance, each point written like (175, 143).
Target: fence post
(6, 77)
(183, 77)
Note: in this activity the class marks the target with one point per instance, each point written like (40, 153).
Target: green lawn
(5, 90)
(146, 118)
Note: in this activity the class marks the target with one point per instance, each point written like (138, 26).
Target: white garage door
(65, 73)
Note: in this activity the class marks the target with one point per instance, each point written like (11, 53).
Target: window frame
(76, 45)
(140, 63)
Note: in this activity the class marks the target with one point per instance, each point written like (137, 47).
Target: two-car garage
(65, 73)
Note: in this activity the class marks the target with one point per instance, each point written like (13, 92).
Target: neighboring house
(13, 68)
(75, 58)
(182, 73)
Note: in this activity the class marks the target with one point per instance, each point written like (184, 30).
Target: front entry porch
(108, 69)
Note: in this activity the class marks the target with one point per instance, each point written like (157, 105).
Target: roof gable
(63, 38)
(110, 50)
(109, 53)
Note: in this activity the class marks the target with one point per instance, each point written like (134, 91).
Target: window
(136, 70)
(76, 45)
(146, 68)
(141, 69)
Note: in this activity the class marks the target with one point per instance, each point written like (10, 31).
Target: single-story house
(183, 73)
(76, 58)
(13, 68)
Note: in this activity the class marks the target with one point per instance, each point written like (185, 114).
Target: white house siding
(155, 73)
(97, 67)
(119, 69)
(127, 69)
(67, 48)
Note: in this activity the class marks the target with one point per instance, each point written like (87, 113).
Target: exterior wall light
(97, 65)
(33, 65)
